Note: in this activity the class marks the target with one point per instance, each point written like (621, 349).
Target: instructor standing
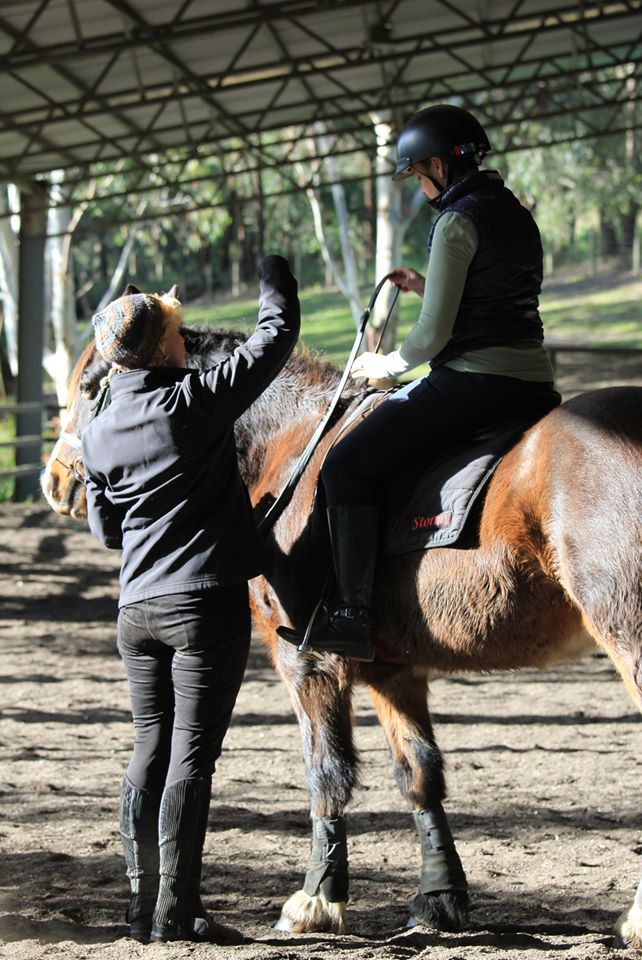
(163, 485)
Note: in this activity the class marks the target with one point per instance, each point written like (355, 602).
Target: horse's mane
(205, 346)
(82, 376)
(302, 390)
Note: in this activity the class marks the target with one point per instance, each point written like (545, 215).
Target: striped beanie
(129, 330)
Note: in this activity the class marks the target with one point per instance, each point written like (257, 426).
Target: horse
(554, 568)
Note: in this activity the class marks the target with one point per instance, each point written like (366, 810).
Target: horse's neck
(299, 394)
(284, 406)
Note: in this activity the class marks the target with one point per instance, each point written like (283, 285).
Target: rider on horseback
(479, 327)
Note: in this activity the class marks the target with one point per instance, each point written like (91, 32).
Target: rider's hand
(407, 279)
(371, 366)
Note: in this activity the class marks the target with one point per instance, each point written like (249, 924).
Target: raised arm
(238, 380)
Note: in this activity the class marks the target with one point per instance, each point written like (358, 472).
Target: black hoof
(446, 910)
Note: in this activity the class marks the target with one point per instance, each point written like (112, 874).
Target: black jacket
(162, 473)
(499, 304)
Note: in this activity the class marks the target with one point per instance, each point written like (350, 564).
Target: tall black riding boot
(179, 913)
(354, 534)
(139, 832)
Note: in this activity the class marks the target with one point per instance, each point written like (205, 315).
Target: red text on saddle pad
(441, 520)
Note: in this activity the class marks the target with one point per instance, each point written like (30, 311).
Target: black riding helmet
(440, 131)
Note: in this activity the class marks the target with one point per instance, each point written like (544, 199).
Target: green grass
(603, 310)
(7, 456)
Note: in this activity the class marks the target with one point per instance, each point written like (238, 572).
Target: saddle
(432, 505)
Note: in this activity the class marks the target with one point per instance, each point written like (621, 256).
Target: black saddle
(431, 506)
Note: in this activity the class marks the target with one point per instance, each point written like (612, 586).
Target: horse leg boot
(443, 889)
(139, 832)
(354, 536)
(179, 913)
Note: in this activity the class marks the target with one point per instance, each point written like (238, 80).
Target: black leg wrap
(181, 833)
(328, 870)
(441, 867)
(139, 832)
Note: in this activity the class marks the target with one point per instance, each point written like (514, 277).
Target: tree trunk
(347, 282)
(125, 264)
(62, 305)
(628, 225)
(608, 237)
(369, 226)
(9, 276)
(388, 222)
(332, 268)
(260, 224)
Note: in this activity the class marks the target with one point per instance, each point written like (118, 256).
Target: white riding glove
(379, 366)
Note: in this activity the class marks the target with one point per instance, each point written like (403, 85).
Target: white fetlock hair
(629, 926)
(305, 914)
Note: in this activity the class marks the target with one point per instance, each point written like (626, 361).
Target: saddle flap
(430, 508)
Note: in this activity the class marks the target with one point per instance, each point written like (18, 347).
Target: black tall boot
(139, 832)
(354, 535)
(179, 913)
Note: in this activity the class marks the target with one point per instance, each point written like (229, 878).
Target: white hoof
(304, 914)
(629, 927)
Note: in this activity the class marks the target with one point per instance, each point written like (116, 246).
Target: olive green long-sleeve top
(453, 248)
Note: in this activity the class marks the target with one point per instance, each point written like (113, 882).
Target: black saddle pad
(431, 507)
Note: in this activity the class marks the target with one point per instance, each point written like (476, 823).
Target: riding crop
(283, 499)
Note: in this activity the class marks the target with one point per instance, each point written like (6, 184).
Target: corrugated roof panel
(55, 25)
(338, 58)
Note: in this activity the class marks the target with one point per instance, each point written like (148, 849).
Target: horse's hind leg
(321, 696)
(400, 699)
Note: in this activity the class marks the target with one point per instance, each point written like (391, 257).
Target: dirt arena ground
(544, 774)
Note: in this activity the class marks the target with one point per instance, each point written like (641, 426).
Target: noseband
(76, 467)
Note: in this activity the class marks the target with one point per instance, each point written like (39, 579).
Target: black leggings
(422, 417)
(185, 656)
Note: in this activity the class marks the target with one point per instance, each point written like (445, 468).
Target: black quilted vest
(500, 298)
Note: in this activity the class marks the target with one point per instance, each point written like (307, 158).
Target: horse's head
(62, 481)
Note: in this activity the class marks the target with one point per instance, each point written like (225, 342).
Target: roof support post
(31, 331)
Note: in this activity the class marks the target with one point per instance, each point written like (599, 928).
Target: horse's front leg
(629, 924)
(400, 699)
(321, 697)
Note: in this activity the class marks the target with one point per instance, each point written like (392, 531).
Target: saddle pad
(429, 507)
(431, 510)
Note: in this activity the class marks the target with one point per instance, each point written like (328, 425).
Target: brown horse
(554, 567)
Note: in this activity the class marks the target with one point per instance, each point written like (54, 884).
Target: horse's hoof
(304, 914)
(447, 910)
(628, 928)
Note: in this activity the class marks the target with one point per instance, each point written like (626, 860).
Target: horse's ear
(173, 291)
(130, 289)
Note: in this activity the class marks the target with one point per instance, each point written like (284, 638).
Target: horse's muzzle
(64, 490)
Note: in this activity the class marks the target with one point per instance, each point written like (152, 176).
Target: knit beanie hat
(130, 329)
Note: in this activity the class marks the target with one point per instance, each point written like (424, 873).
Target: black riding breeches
(185, 656)
(411, 426)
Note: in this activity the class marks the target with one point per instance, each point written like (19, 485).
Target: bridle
(73, 440)
(76, 467)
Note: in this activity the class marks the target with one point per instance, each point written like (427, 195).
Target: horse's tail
(594, 523)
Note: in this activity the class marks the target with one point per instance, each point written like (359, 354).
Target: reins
(283, 499)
